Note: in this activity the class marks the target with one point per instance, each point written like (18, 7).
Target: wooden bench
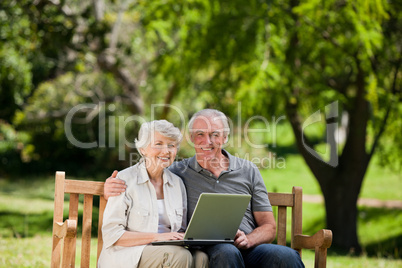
(65, 231)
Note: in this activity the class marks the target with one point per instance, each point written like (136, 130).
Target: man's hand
(113, 186)
(241, 241)
(264, 233)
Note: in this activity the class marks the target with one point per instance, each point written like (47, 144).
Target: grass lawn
(379, 183)
(35, 252)
(26, 211)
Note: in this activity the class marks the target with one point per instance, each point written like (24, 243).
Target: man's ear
(191, 137)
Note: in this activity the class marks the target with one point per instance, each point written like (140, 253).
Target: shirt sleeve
(184, 198)
(115, 219)
(260, 201)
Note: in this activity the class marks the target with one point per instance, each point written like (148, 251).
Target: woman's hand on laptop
(241, 240)
(169, 236)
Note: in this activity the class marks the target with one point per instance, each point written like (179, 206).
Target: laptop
(215, 220)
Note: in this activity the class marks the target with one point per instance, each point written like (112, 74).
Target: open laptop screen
(216, 219)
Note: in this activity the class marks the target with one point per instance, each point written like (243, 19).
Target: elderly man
(212, 169)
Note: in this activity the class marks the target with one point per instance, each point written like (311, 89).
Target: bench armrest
(320, 242)
(66, 229)
(321, 239)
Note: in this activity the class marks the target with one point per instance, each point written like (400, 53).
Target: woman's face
(160, 153)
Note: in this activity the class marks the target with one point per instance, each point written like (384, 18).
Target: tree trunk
(341, 211)
(168, 100)
(340, 184)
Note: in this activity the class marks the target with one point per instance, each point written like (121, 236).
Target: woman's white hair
(214, 115)
(164, 127)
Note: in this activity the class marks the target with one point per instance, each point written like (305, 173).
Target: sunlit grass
(35, 252)
(294, 173)
(27, 252)
(379, 182)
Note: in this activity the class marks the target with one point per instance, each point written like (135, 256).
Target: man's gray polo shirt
(242, 177)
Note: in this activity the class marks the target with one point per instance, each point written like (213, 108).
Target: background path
(392, 204)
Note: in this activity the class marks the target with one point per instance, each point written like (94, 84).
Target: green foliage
(15, 81)
(191, 54)
(15, 148)
(391, 146)
(309, 55)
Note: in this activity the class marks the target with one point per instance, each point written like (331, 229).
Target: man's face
(208, 137)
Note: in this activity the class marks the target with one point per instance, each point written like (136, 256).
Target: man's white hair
(164, 127)
(213, 115)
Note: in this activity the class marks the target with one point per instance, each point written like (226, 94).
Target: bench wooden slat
(281, 226)
(70, 243)
(57, 218)
(84, 187)
(281, 199)
(102, 205)
(86, 230)
(297, 215)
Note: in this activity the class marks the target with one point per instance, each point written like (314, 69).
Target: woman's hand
(130, 239)
(169, 236)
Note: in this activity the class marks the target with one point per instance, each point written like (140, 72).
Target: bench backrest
(293, 200)
(64, 248)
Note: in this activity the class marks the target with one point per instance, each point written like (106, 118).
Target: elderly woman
(153, 207)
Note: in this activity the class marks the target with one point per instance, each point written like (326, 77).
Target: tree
(311, 54)
(363, 73)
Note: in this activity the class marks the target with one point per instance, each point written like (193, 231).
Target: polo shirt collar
(232, 161)
(194, 164)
